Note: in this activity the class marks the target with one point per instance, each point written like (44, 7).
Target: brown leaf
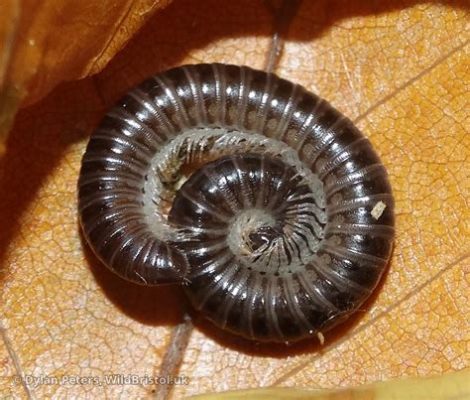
(46, 42)
(399, 68)
(449, 386)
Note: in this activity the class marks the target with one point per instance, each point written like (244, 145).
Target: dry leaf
(450, 386)
(43, 43)
(399, 68)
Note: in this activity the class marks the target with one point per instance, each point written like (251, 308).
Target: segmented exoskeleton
(266, 203)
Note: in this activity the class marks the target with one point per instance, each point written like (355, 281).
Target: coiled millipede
(268, 205)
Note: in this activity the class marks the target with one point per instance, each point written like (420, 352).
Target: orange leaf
(46, 42)
(399, 69)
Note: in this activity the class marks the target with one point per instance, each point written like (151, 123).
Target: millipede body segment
(267, 204)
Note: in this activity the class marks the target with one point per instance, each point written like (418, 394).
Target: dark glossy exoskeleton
(268, 204)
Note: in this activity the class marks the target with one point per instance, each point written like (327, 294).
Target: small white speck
(31, 42)
(378, 209)
(321, 338)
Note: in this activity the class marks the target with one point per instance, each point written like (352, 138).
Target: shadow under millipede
(150, 305)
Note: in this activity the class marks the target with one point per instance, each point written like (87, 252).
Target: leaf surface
(43, 43)
(400, 69)
(449, 386)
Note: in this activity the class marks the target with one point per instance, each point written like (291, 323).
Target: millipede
(265, 203)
